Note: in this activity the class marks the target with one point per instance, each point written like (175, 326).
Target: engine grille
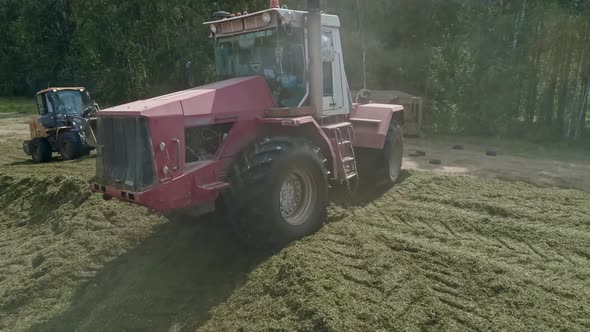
(124, 154)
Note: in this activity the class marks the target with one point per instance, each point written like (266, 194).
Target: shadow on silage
(170, 282)
(366, 193)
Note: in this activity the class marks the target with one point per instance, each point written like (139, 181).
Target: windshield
(70, 102)
(277, 55)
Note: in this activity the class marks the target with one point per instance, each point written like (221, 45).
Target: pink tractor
(268, 140)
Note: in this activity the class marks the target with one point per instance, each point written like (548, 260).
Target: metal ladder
(342, 135)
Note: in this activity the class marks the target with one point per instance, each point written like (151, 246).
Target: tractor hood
(235, 99)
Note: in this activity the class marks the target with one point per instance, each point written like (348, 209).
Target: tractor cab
(274, 44)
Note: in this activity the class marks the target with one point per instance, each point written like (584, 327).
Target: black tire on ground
(491, 153)
(41, 150)
(69, 145)
(279, 192)
(383, 167)
(435, 162)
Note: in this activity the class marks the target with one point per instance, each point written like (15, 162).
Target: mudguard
(371, 122)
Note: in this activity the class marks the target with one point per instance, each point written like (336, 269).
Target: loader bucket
(90, 132)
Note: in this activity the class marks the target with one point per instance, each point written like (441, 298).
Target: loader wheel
(383, 167)
(279, 192)
(41, 150)
(70, 145)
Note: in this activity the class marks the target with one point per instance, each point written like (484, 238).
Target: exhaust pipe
(316, 76)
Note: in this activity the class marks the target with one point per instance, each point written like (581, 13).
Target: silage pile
(54, 237)
(435, 253)
(438, 253)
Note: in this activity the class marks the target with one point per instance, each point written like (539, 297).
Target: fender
(305, 126)
(371, 123)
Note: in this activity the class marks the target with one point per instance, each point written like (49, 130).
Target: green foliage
(493, 67)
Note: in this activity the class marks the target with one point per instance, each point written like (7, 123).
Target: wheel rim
(296, 198)
(395, 160)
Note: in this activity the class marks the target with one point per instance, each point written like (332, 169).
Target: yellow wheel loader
(66, 124)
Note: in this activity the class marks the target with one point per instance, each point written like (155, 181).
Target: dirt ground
(529, 166)
(437, 252)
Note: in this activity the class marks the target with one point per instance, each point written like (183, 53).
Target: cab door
(335, 99)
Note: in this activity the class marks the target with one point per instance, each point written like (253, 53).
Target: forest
(503, 68)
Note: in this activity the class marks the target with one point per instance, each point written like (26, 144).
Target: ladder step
(345, 143)
(347, 160)
(351, 175)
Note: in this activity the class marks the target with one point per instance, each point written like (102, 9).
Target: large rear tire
(383, 167)
(70, 145)
(394, 154)
(279, 192)
(41, 150)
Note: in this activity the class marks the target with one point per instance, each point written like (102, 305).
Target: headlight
(288, 17)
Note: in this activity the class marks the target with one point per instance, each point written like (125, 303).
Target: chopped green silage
(434, 253)
(54, 237)
(437, 253)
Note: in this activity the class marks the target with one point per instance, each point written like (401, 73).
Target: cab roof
(327, 19)
(61, 89)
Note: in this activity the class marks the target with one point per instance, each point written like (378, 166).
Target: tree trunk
(519, 23)
(360, 12)
(549, 95)
(563, 91)
(532, 89)
(583, 110)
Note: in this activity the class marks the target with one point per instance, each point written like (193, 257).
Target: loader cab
(64, 101)
(274, 44)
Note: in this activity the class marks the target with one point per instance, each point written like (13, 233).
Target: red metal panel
(170, 131)
(247, 97)
(371, 124)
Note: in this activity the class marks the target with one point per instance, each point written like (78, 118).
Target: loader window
(71, 102)
(41, 107)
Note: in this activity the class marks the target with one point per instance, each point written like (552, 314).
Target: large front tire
(383, 167)
(394, 154)
(41, 150)
(279, 192)
(70, 145)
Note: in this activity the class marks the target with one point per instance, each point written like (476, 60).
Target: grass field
(18, 105)
(434, 253)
